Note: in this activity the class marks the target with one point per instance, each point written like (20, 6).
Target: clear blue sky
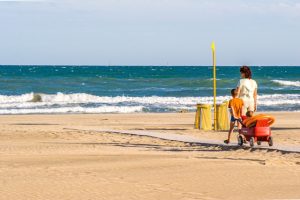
(149, 32)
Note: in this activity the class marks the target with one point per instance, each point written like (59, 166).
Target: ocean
(128, 89)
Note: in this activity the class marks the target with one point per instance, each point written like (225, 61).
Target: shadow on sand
(190, 147)
(285, 128)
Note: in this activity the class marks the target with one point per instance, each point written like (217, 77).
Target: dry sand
(41, 157)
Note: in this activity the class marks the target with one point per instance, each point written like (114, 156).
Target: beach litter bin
(203, 117)
(222, 116)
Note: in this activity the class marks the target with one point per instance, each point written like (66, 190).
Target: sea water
(128, 89)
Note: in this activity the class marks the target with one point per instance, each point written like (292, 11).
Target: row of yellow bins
(203, 119)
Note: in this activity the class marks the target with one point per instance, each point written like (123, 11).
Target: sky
(149, 32)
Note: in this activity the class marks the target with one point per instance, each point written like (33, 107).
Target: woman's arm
(255, 99)
(238, 88)
(238, 91)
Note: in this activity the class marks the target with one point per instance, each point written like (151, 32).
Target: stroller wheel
(258, 142)
(252, 141)
(240, 140)
(270, 141)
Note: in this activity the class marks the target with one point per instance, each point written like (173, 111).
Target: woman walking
(247, 91)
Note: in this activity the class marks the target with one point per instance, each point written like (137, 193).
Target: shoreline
(137, 113)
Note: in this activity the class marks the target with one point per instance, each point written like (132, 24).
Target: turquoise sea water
(101, 89)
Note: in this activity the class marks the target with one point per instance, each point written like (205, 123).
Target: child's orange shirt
(237, 105)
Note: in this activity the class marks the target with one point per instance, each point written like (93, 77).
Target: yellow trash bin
(203, 117)
(222, 116)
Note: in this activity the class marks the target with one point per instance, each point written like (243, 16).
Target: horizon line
(87, 65)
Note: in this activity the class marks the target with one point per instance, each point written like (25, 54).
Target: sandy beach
(98, 100)
(54, 157)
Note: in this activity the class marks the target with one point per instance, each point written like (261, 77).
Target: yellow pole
(215, 84)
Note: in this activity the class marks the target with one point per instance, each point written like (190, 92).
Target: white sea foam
(77, 109)
(77, 98)
(86, 103)
(17, 98)
(287, 83)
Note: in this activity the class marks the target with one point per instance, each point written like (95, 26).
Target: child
(236, 108)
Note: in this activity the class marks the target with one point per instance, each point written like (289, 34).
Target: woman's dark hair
(247, 71)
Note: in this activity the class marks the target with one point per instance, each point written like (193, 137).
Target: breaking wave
(87, 103)
(287, 83)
